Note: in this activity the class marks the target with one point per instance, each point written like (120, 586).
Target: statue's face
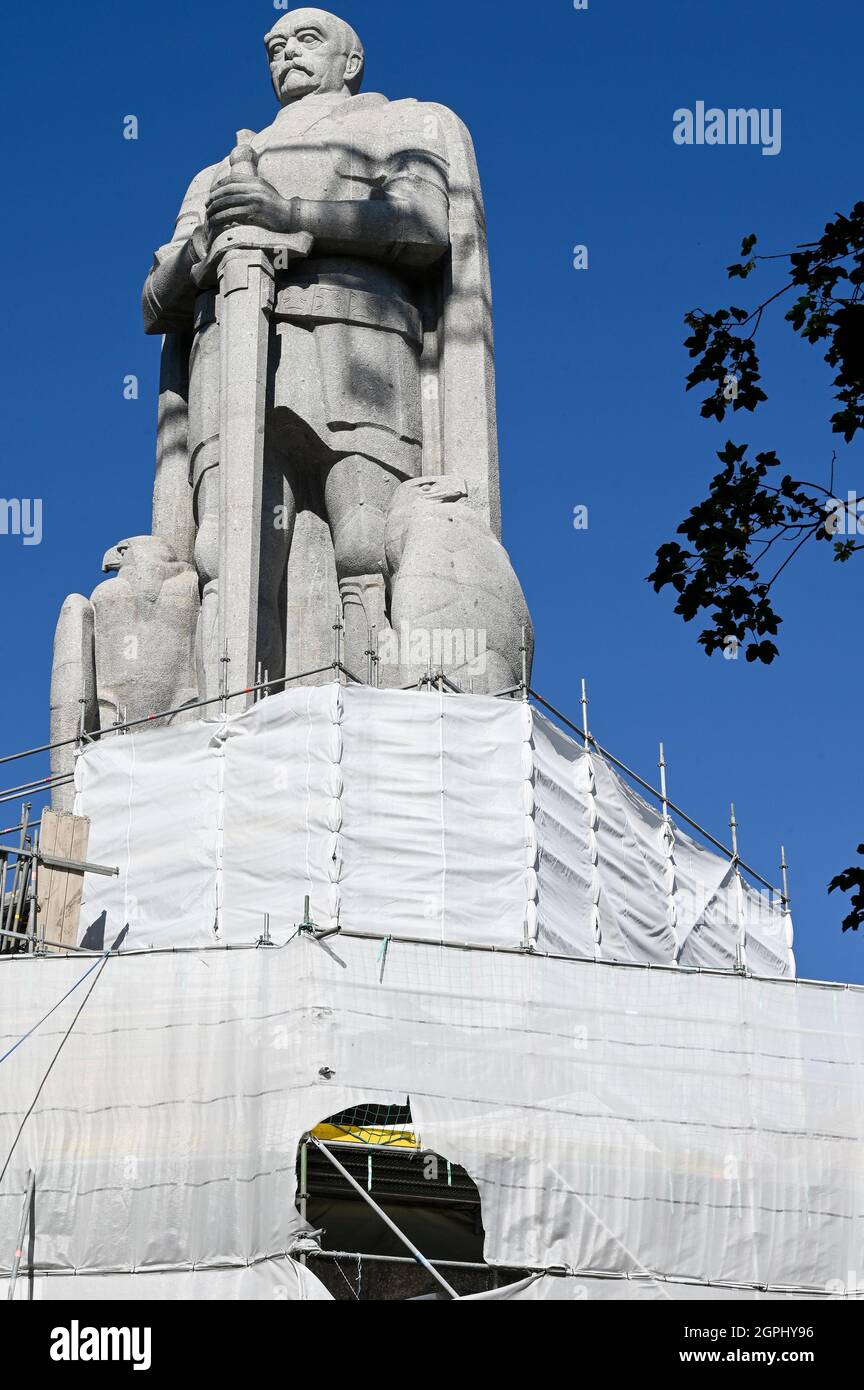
(307, 54)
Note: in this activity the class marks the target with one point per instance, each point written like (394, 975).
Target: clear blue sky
(571, 114)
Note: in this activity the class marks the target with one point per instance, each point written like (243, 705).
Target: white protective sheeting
(281, 813)
(154, 803)
(436, 835)
(618, 882)
(617, 1119)
(436, 817)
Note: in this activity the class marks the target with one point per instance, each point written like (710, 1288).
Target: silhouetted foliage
(849, 879)
(756, 517)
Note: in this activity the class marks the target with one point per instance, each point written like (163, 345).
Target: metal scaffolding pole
(418, 1254)
(669, 855)
(741, 940)
(22, 1230)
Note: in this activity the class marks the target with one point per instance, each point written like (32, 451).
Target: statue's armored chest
(301, 168)
(330, 161)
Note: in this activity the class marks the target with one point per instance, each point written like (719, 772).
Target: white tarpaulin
(154, 801)
(436, 840)
(437, 817)
(617, 1120)
(282, 786)
(618, 882)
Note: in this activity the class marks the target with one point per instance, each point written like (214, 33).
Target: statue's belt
(334, 304)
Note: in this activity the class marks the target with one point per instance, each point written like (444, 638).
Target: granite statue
(325, 307)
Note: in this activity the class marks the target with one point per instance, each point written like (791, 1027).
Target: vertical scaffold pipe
(22, 1230)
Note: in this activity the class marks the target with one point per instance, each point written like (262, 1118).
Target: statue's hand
(248, 202)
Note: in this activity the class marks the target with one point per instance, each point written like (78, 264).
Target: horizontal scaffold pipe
(715, 972)
(93, 734)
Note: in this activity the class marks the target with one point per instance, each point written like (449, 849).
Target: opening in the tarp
(434, 1202)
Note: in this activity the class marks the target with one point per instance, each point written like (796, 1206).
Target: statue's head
(311, 51)
(137, 550)
(433, 490)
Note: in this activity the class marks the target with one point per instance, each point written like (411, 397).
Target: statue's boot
(207, 652)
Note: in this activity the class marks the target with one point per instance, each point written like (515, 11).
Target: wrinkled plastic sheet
(153, 802)
(617, 881)
(444, 818)
(436, 840)
(617, 1120)
(380, 806)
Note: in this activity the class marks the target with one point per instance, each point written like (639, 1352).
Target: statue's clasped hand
(248, 202)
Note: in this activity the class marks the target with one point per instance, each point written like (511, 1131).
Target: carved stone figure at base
(126, 653)
(455, 602)
(144, 634)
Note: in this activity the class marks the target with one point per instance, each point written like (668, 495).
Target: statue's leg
(203, 445)
(311, 590)
(357, 493)
(207, 652)
(278, 515)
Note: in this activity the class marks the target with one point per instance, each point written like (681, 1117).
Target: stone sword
(243, 260)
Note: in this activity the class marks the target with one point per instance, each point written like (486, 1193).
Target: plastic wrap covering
(281, 813)
(155, 802)
(617, 1120)
(619, 882)
(434, 829)
(380, 805)
(445, 818)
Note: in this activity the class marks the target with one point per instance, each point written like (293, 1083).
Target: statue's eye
(309, 38)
